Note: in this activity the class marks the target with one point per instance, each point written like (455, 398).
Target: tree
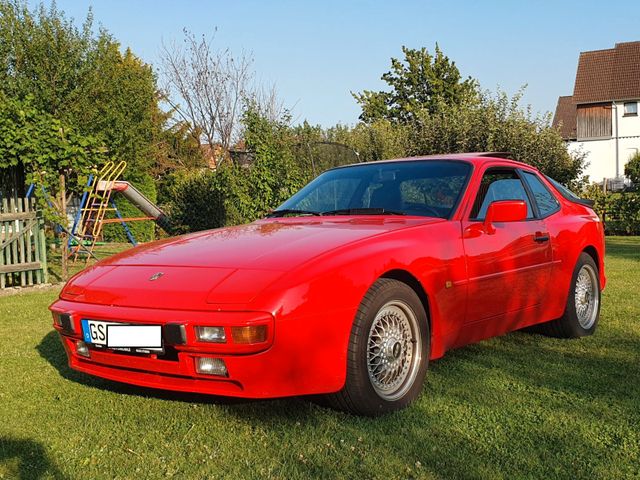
(42, 54)
(211, 87)
(56, 157)
(419, 82)
(632, 168)
(83, 78)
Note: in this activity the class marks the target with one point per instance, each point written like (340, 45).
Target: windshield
(425, 188)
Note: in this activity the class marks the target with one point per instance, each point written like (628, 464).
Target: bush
(632, 168)
(142, 231)
(620, 212)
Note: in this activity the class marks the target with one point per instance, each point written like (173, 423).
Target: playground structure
(97, 201)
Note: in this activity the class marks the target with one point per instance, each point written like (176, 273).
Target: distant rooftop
(608, 75)
(565, 118)
(603, 76)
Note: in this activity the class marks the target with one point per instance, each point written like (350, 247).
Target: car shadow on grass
(50, 348)
(30, 459)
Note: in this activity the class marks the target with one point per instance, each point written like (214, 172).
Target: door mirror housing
(504, 211)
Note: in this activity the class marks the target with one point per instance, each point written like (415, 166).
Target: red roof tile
(607, 75)
(565, 118)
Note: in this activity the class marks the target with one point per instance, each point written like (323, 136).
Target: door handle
(541, 237)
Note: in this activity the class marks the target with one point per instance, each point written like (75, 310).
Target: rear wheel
(583, 303)
(388, 351)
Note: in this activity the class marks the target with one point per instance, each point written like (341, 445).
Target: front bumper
(249, 366)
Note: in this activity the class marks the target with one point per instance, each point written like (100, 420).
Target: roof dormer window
(630, 109)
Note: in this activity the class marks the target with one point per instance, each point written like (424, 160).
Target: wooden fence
(23, 252)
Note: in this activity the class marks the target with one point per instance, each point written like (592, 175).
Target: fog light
(211, 334)
(211, 366)
(250, 334)
(82, 348)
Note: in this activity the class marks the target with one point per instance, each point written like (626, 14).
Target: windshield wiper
(291, 211)
(363, 211)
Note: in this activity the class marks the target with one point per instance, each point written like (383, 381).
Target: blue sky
(317, 52)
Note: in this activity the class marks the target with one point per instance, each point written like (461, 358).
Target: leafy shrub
(632, 168)
(620, 212)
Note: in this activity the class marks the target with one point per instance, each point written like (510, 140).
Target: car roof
(476, 158)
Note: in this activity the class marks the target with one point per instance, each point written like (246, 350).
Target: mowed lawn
(519, 406)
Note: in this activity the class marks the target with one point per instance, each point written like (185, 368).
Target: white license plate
(119, 335)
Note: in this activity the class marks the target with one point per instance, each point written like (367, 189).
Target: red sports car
(348, 289)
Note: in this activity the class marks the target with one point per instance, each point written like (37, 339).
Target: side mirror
(504, 211)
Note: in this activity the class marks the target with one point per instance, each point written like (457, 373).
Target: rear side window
(547, 203)
(499, 185)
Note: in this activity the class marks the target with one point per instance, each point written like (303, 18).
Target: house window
(630, 109)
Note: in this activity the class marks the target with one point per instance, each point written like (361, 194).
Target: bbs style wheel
(582, 311)
(388, 351)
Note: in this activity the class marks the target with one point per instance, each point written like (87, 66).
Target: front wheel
(582, 311)
(388, 351)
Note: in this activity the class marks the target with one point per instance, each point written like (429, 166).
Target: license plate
(121, 335)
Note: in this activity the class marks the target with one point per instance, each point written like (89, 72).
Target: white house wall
(601, 154)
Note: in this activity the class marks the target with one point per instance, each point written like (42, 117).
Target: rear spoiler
(584, 201)
(568, 194)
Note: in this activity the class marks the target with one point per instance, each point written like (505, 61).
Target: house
(601, 117)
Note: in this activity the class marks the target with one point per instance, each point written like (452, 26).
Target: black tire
(571, 324)
(363, 392)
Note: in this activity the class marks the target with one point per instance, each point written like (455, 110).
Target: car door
(508, 266)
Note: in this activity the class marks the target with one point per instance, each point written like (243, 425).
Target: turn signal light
(249, 334)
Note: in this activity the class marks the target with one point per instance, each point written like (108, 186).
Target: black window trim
(532, 198)
(534, 205)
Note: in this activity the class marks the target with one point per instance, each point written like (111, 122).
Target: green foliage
(420, 81)
(200, 200)
(118, 103)
(236, 194)
(379, 140)
(498, 123)
(43, 54)
(142, 231)
(491, 123)
(45, 147)
(622, 215)
(83, 79)
(620, 212)
(632, 168)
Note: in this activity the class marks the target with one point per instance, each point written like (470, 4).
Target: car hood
(224, 266)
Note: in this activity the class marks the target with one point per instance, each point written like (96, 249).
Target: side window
(547, 203)
(499, 184)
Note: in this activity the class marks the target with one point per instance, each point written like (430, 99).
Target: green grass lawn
(519, 406)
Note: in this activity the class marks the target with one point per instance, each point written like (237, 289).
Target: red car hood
(267, 244)
(227, 265)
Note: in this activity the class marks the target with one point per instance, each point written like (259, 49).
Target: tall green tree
(81, 77)
(420, 81)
